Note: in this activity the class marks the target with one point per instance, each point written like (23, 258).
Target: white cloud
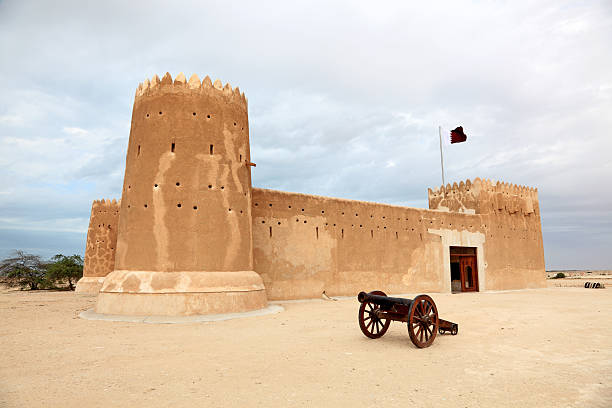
(345, 99)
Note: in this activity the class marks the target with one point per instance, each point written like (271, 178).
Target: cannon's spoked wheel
(423, 321)
(369, 323)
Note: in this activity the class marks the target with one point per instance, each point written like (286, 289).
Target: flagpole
(441, 156)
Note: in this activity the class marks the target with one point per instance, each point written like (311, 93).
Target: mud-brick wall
(515, 237)
(185, 202)
(306, 244)
(514, 249)
(101, 238)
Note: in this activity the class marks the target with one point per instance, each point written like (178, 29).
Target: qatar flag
(457, 135)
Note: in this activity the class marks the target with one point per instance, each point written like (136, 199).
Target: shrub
(559, 275)
(65, 269)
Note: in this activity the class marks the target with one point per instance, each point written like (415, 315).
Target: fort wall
(305, 244)
(100, 246)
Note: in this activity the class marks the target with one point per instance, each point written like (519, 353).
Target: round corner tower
(100, 247)
(184, 243)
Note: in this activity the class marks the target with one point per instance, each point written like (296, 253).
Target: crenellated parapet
(484, 196)
(181, 86)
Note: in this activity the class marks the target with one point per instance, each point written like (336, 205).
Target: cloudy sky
(345, 99)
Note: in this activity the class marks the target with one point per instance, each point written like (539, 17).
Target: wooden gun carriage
(421, 314)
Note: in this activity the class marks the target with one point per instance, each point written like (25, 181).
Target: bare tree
(23, 270)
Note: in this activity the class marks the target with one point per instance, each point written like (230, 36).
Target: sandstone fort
(191, 235)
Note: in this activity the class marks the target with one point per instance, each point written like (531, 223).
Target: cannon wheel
(423, 321)
(370, 325)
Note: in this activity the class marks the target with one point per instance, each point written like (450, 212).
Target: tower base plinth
(89, 285)
(143, 293)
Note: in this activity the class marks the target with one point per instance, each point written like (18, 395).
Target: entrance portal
(464, 269)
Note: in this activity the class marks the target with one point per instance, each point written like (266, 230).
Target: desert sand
(530, 348)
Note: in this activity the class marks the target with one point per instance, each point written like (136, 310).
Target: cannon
(421, 314)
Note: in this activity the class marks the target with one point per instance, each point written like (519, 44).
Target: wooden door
(469, 274)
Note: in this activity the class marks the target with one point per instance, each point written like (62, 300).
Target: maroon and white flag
(457, 135)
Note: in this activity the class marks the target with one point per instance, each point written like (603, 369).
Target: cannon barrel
(385, 302)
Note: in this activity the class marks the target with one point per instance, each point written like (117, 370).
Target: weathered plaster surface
(101, 244)
(194, 237)
(185, 230)
(466, 239)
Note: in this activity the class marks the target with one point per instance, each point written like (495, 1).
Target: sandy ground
(533, 348)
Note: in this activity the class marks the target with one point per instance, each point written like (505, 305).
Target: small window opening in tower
(172, 147)
(270, 232)
(179, 205)
(317, 229)
(211, 149)
(138, 154)
(372, 233)
(241, 158)
(194, 113)
(342, 232)
(396, 235)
